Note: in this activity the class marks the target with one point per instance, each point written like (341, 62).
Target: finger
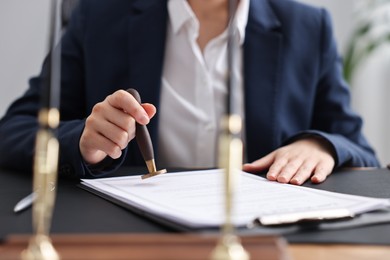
(321, 172)
(289, 170)
(115, 134)
(107, 146)
(150, 109)
(111, 127)
(275, 168)
(103, 112)
(123, 100)
(260, 164)
(304, 172)
(95, 147)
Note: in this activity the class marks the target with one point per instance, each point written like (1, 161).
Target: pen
(25, 202)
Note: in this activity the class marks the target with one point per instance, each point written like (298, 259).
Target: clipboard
(357, 204)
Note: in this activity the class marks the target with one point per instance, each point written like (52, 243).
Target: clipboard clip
(301, 217)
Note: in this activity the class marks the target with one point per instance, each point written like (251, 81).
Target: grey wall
(23, 41)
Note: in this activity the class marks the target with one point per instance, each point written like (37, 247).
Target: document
(195, 199)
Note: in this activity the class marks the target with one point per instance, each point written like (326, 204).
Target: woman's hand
(297, 162)
(111, 126)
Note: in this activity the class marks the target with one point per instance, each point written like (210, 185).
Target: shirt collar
(180, 12)
(242, 18)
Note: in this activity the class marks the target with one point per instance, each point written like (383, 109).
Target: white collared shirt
(194, 89)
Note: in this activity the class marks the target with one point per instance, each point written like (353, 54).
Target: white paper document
(195, 199)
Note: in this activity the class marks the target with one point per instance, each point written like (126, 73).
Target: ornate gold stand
(47, 147)
(40, 247)
(45, 179)
(231, 149)
(229, 246)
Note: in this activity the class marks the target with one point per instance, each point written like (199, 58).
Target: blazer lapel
(262, 65)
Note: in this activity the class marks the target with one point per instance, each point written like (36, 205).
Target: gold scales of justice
(229, 246)
(45, 168)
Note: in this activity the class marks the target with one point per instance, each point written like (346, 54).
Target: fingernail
(117, 153)
(295, 181)
(144, 119)
(315, 179)
(282, 179)
(271, 177)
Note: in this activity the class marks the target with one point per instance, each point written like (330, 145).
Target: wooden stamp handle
(142, 134)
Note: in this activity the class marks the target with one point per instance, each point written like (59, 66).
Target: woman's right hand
(111, 126)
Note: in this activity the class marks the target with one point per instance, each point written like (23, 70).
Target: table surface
(80, 212)
(175, 246)
(338, 252)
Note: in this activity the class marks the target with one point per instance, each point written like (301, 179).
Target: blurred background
(361, 28)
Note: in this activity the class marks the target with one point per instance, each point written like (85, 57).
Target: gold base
(151, 174)
(40, 248)
(152, 169)
(229, 248)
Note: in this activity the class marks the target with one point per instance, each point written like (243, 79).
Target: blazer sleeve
(19, 126)
(339, 124)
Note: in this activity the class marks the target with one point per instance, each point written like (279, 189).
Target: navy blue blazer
(292, 76)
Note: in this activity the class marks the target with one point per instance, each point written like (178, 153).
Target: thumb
(260, 164)
(149, 109)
